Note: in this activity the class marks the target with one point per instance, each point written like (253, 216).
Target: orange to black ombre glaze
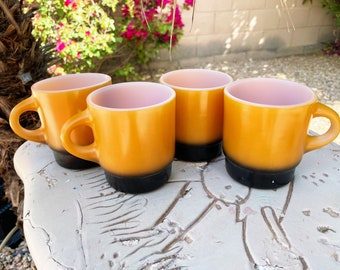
(134, 134)
(56, 99)
(199, 112)
(265, 130)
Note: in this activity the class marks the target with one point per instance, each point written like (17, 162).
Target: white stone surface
(201, 219)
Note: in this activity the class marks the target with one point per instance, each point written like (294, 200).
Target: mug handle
(87, 152)
(29, 104)
(315, 142)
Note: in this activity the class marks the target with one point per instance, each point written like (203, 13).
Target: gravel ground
(318, 71)
(16, 259)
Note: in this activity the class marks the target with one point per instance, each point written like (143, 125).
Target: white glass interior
(71, 82)
(195, 79)
(272, 92)
(131, 95)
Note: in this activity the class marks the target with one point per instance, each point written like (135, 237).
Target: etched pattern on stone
(200, 219)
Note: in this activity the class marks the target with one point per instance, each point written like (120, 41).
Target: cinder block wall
(250, 29)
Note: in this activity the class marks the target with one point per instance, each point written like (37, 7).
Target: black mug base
(259, 179)
(69, 161)
(198, 153)
(139, 184)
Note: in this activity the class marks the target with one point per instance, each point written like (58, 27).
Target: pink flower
(73, 3)
(143, 34)
(162, 3)
(88, 33)
(178, 18)
(60, 46)
(130, 32)
(60, 25)
(68, 2)
(125, 11)
(188, 4)
(149, 14)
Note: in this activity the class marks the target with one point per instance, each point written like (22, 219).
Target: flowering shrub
(149, 26)
(87, 31)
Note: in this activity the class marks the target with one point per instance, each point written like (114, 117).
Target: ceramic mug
(134, 134)
(199, 112)
(265, 130)
(56, 99)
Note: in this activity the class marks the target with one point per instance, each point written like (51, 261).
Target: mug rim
(91, 103)
(197, 70)
(311, 100)
(104, 78)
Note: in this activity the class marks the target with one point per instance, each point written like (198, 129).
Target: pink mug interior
(71, 82)
(131, 95)
(195, 79)
(271, 92)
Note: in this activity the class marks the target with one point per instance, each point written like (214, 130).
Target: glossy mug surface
(266, 129)
(134, 134)
(56, 99)
(199, 112)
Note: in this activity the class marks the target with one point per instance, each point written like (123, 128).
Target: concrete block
(263, 19)
(240, 20)
(224, 22)
(249, 4)
(312, 48)
(326, 33)
(318, 17)
(298, 3)
(187, 17)
(186, 48)
(203, 23)
(233, 57)
(245, 41)
(296, 17)
(196, 62)
(305, 36)
(270, 4)
(165, 64)
(262, 28)
(289, 51)
(208, 45)
(183, 51)
(276, 39)
(213, 5)
(224, 5)
(260, 54)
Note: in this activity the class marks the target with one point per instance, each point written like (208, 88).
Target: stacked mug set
(134, 130)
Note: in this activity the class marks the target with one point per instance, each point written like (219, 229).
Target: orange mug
(134, 134)
(56, 99)
(199, 112)
(265, 130)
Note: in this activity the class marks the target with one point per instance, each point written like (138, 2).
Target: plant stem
(8, 236)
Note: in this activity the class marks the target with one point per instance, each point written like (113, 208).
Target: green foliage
(81, 31)
(86, 32)
(333, 7)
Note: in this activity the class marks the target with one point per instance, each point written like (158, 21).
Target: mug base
(198, 153)
(259, 179)
(69, 161)
(139, 184)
